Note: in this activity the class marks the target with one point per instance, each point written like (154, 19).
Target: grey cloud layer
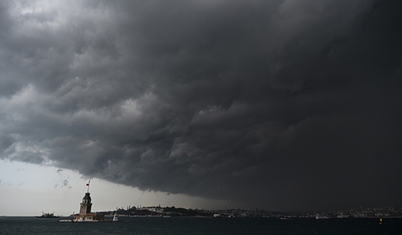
(275, 104)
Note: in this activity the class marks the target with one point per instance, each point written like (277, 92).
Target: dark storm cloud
(270, 104)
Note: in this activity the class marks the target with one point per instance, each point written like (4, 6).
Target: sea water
(210, 226)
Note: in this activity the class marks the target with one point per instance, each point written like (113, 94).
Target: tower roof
(87, 196)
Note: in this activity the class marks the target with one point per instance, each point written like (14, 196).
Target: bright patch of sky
(29, 189)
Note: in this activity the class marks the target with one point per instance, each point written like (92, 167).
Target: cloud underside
(271, 104)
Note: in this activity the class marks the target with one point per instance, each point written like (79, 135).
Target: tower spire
(88, 185)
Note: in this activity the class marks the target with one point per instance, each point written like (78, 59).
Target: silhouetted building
(85, 214)
(86, 205)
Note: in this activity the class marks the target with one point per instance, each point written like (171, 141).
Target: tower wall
(85, 208)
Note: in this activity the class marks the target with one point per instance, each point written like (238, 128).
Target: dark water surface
(180, 225)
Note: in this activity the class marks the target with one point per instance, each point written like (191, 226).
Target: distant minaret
(86, 204)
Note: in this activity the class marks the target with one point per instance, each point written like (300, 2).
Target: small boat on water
(47, 215)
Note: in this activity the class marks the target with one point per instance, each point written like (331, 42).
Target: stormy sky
(279, 105)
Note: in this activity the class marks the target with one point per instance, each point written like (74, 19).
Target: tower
(85, 210)
(86, 204)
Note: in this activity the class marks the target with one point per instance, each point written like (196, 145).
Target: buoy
(115, 218)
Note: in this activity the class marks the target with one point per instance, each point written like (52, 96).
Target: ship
(321, 217)
(47, 216)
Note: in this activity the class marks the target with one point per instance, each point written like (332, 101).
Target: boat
(47, 216)
(321, 217)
